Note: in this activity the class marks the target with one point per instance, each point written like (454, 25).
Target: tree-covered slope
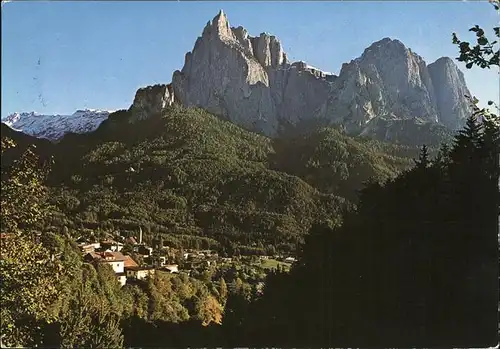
(205, 182)
(333, 162)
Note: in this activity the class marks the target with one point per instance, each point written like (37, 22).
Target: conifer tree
(467, 141)
(423, 158)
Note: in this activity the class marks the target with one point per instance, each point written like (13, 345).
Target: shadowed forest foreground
(416, 263)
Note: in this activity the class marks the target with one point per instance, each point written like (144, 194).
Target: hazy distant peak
(55, 126)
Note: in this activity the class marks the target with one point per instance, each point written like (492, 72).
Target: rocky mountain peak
(392, 50)
(268, 50)
(225, 73)
(218, 27)
(444, 61)
(54, 127)
(388, 80)
(450, 91)
(265, 48)
(386, 44)
(248, 80)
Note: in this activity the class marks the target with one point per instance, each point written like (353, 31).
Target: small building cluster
(111, 251)
(133, 259)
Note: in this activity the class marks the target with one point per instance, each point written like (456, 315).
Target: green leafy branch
(485, 53)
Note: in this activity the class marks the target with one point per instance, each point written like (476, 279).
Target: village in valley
(132, 259)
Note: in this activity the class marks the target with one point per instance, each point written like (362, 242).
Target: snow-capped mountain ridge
(54, 127)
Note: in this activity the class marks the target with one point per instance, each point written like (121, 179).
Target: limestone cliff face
(388, 80)
(450, 90)
(249, 81)
(151, 100)
(299, 91)
(223, 76)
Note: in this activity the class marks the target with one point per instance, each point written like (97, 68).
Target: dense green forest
(203, 182)
(391, 251)
(198, 181)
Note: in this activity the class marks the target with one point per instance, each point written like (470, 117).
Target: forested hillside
(186, 175)
(203, 182)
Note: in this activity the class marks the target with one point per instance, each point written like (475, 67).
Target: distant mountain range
(387, 93)
(53, 127)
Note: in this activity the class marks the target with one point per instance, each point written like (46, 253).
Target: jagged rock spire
(219, 26)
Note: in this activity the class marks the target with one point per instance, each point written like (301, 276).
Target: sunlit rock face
(223, 76)
(450, 90)
(388, 81)
(249, 81)
(151, 100)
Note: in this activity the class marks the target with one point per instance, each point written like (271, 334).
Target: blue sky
(61, 56)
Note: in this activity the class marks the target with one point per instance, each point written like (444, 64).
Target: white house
(122, 278)
(139, 273)
(114, 259)
(117, 262)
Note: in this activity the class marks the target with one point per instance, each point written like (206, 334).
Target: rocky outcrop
(299, 91)
(223, 76)
(388, 80)
(151, 100)
(450, 89)
(249, 81)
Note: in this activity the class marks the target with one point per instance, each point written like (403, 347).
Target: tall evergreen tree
(423, 158)
(467, 141)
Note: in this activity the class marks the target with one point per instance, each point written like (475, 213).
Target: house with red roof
(114, 259)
